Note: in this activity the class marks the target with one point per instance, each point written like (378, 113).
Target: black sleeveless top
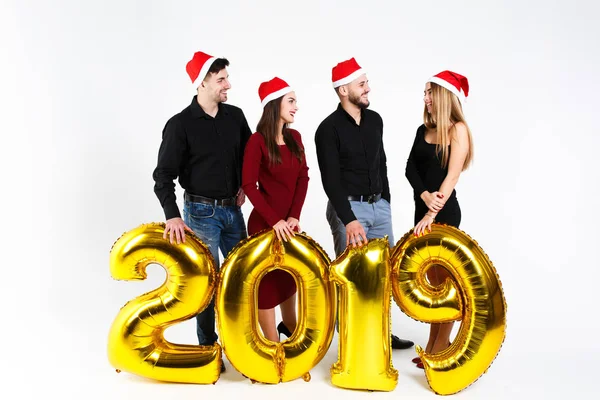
(425, 173)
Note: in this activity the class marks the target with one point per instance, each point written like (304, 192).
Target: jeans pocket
(199, 211)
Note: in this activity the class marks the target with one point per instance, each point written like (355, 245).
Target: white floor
(70, 362)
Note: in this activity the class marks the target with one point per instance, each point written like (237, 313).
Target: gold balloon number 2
(136, 342)
(366, 278)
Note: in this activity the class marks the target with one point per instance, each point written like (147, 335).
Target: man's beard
(357, 101)
(217, 98)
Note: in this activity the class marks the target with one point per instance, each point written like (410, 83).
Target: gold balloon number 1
(364, 354)
(474, 295)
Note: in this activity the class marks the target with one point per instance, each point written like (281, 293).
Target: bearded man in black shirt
(353, 167)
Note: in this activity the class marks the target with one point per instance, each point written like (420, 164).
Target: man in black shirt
(353, 167)
(204, 145)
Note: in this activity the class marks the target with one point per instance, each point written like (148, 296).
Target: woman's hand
(283, 231)
(434, 201)
(424, 223)
(293, 224)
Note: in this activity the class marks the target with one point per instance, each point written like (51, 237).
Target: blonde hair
(446, 112)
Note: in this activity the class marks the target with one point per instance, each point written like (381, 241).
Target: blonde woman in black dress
(442, 149)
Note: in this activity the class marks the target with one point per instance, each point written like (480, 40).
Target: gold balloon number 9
(473, 295)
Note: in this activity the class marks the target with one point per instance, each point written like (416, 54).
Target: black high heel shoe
(282, 329)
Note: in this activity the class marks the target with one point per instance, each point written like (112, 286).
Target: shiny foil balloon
(136, 343)
(474, 295)
(364, 354)
(237, 312)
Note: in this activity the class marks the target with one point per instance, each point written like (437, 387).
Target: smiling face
(288, 108)
(428, 98)
(216, 86)
(358, 91)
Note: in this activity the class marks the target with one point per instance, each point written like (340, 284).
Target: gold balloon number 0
(474, 295)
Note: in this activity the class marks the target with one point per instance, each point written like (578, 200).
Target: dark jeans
(219, 228)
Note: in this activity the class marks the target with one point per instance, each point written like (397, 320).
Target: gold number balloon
(364, 354)
(236, 304)
(474, 295)
(136, 342)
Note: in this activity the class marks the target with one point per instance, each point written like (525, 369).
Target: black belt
(230, 201)
(369, 198)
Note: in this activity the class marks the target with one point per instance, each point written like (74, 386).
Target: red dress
(279, 195)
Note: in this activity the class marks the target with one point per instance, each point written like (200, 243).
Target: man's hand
(176, 228)
(355, 234)
(241, 197)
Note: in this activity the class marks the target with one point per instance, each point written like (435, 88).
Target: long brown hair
(267, 127)
(447, 111)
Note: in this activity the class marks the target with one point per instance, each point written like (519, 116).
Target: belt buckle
(371, 199)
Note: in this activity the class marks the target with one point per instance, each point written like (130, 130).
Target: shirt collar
(198, 112)
(343, 112)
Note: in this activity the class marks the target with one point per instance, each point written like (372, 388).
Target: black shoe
(282, 329)
(401, 344)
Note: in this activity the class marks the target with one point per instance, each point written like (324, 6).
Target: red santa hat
(456, 83)
(198, 67)
(345, 72)
(272, 90)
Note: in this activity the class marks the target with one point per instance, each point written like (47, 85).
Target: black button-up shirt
(206, 154)
(351, 159)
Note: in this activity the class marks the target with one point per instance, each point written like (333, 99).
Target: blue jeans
(376, 219)
(219, 228)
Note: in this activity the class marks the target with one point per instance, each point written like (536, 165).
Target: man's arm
(170, 156)
(385, 192)
(328, 156)
(245, 134)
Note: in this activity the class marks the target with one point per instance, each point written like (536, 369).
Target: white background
(86, 88)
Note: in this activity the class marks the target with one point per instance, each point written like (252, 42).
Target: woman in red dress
(274, 159)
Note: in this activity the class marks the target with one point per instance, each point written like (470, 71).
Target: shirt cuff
(171, 211)
(347, 217)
